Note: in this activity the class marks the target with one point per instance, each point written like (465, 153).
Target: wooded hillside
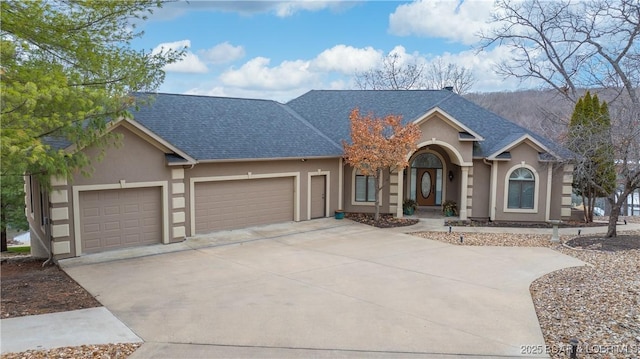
(542, 111)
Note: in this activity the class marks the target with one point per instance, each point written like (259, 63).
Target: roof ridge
(308, 124)
(205, 96)
(449, 95)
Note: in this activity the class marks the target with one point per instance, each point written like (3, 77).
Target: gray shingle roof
(312, 125)
(329, 111)
(217, 128)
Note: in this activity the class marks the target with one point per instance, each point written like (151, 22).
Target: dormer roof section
(502, 152)
(465, 133)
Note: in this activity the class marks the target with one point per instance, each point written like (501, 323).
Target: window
(522, 185)
(365, 188)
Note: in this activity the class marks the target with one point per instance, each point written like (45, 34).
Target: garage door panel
(111, 226)
(120, 218)
(131, 208)
(113, 241)
(91, 243)
(132, 238)
(112, 210)
(236, 204)
(91, 212)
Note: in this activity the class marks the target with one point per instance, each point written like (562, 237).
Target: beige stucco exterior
(139, 162)
(300, 170)
(478, 185)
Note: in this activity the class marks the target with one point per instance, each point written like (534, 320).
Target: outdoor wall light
(450, 176)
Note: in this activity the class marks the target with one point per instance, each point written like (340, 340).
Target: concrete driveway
(324, 288)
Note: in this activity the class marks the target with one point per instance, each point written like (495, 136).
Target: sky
(280, 50)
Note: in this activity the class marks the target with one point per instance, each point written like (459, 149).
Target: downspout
(340, 184)
(492, 190)
(547, 211)
(47, 234)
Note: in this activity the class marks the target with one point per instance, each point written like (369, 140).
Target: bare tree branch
(395, 75)
(574, 45)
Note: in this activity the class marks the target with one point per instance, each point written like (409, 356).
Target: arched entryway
(426, 179)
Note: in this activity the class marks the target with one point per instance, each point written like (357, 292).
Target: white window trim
(536, 192)
(353, 191)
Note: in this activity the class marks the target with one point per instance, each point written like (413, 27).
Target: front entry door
(426, 187)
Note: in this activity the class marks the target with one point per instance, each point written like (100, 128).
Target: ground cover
(597, 304)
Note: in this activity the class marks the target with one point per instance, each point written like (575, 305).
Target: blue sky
(280, 50)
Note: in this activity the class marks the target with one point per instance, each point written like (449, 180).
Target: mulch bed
(28, 288)
(385, 220)
(479, 223)
(618, 243)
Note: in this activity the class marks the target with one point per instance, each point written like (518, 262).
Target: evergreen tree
(66, 70)
(590, 138)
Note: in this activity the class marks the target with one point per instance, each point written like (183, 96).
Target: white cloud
(216, 91)
(227, 91)
(405, 57)
(446, 19)
(333, 69)
(190, 63)
(257, 73)
(346, 59)
(482, 66)
(222, 53)
(173, 10)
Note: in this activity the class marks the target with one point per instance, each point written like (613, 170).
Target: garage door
(120, 218)
(236, 204)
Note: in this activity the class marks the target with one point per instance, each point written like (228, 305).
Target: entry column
(464, 192)
(400, 191)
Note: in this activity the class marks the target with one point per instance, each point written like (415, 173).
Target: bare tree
(440, 75)
(394, 74)
(626, 134)
(572, 45)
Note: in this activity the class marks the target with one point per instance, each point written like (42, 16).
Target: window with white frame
(365, 188)
(521, 193)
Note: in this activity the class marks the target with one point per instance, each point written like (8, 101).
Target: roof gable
(527, 139)
(152, 138)
(466, 133)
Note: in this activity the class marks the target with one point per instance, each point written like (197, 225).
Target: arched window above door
(426, 160)
(425, 184)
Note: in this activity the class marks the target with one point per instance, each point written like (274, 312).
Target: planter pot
(408, 211)
(339, 214)
(448, 213)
